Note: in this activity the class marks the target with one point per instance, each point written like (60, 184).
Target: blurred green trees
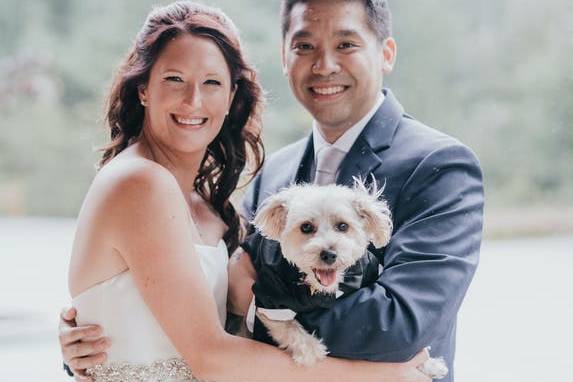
(497, 74)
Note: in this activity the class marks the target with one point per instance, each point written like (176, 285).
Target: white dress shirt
(346, 140)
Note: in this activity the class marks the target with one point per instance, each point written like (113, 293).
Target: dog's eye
(342, 227)
(307, 228)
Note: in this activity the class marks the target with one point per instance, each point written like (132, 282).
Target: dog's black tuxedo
(278, 284)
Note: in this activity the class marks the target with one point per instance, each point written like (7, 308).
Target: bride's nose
(193, 97)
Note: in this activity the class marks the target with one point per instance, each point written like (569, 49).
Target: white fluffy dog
(323, 230)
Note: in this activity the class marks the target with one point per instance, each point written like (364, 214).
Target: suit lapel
(359, 162)
(286, 169)
(302, 173)
(364, 157)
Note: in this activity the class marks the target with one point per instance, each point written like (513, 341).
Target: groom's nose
(325, 64)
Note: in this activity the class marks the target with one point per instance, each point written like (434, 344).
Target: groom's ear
(283, 58)
(389, 51)
(270, 220)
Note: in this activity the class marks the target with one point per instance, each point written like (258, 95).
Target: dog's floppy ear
(270, 220)
(374, 212)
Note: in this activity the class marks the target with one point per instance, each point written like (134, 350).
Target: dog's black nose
(328, 257)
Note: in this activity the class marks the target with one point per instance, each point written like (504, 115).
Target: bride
(149, 261)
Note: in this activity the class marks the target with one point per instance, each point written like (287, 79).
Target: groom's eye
(307, 228)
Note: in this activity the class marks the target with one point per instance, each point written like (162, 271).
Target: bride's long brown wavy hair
(239, 139)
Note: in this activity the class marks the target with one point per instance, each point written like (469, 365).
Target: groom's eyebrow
(301, 34)
(347, 33)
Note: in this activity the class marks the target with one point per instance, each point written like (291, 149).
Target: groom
(335, 54)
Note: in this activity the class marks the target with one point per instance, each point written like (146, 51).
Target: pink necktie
(327, 161)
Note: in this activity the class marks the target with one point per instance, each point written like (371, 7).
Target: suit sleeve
(428, 266)
(249, 204)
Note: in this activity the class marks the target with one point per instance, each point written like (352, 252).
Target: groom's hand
(82, 347)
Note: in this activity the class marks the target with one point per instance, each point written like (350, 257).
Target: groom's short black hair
(378, 11)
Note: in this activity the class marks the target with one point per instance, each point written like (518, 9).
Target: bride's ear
(270, 220)
(231, 98)
(142, 93)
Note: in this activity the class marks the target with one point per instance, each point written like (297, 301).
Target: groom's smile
(334, 63)
(327, 92)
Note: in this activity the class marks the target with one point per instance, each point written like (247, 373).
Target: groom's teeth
(329, 90)
(191, 121)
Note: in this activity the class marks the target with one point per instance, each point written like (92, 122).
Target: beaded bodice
(140, 350)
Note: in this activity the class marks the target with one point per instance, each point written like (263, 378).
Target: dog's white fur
(325, 207)
(344, 221)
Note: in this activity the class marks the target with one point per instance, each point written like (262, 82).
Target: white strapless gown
(141, 351)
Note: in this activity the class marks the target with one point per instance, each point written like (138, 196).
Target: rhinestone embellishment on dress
(174, 369)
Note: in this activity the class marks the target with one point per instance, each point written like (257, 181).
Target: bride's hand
(409, 372)
(82, 347)
(242, 275)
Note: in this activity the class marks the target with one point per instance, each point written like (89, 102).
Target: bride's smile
(188, 95)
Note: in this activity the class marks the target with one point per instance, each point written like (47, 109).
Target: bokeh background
(496, 74)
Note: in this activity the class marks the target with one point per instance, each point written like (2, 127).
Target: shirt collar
(345, 142)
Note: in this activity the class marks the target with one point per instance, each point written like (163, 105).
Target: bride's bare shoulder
(129, 174)
(129, 184)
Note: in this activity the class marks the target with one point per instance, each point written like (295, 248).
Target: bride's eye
(173, 79)
(212, 82)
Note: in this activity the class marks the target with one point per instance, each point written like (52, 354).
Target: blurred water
(34, 255)
(515, 324)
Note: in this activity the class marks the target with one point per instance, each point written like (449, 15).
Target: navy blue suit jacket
(433, 185)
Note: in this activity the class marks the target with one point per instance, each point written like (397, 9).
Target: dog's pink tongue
(326, 278)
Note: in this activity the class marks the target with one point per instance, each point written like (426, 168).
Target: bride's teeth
(192, 121)
(328, 91)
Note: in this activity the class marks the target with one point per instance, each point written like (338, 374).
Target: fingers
(78, 365)
(81, 346)
(409, 371)
(428, 368)
(69, 334)
(85, 348)
(82, 378)
(67, 321)
(68, 314)
(421, 357)
(79, 378)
